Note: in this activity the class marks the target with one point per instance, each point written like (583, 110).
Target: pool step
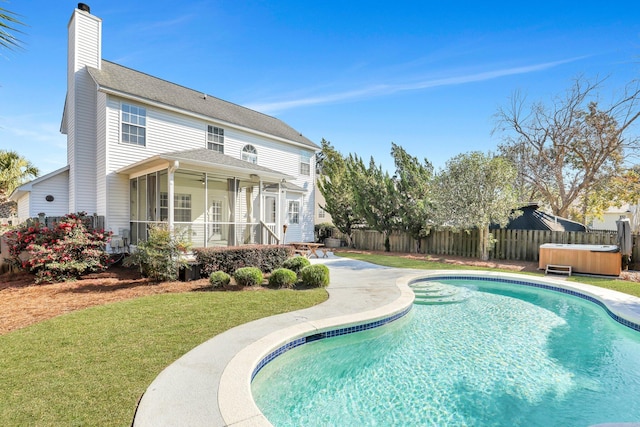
(438, 293)
(433, 301)
(435, 294)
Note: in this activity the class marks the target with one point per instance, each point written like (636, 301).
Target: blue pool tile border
(621, 320)
(326, 334)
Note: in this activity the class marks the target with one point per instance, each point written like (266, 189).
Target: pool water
(507, 355)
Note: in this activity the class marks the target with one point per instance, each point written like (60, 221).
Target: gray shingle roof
(203, 155)
(125, 80)
(534, 219)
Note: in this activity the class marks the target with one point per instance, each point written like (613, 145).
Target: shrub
(248, 276)
(266, 258)
(64, 251)
(160, 256)
(219, 279)
(283, 278)
(316, 275)
(296, 264)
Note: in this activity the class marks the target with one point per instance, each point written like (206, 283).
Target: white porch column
(170, 194)
(282, 211)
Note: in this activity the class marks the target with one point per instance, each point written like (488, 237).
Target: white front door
(269, 213)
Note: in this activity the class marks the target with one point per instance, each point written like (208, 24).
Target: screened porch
(208, 201)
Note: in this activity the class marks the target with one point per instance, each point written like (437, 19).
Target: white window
(216, 216)
(215, 139)
(305, 164)
(294, 212)
(249, 154)
(134, 122)
(321, 212)
(181, 207)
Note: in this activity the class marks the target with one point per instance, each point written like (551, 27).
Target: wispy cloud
(168, 24)
(389, 89)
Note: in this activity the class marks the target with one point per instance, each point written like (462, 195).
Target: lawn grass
(627, 287)
(420, 264)
(90, 367)
(624, 286)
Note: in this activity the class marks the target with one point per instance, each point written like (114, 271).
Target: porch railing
(208, 234)
(269, 235)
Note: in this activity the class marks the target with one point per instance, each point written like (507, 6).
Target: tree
(567, 150)
(413, 183)
(8, 23)
(334, 184)
(375, 195)
(619, 190)
(15, 170)
(474, 191)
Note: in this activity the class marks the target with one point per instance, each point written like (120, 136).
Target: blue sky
(426, 75)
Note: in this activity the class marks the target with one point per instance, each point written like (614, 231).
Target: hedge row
(230, 259)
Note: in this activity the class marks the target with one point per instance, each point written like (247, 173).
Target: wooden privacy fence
(517, 245)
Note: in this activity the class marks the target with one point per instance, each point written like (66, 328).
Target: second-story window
(305, 164)
(134, 123)
(215, 139)
(250, 154)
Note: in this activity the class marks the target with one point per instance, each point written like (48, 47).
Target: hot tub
(591, 259)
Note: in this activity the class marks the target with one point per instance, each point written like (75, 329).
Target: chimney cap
(84, 7)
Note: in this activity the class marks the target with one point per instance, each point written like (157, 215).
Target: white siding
(55, 186)
(85, 144)
(23, 206)
(117, 215)
(101, 154)
(70, 111)
(165, 132)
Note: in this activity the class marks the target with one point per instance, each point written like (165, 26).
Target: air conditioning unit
(124, 233)
(116, 243)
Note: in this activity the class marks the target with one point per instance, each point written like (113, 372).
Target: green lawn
(631, 288)
(89, 368)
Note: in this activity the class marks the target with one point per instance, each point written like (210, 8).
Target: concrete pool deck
(211, 384)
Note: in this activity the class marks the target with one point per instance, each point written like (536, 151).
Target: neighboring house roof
(27, 186)
(127, 82)
(203, 157)
(534, 219)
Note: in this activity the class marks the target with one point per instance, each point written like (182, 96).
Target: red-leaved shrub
(62, 252)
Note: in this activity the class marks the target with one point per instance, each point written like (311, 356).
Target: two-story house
(142, 150)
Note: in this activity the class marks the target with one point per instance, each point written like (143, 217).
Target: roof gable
(130, 82)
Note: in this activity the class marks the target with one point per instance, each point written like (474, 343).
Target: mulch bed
(23, 303)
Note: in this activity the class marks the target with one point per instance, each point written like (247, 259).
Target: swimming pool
(504, 355)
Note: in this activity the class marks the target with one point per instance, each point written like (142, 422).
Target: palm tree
(15, 170)
(8, 23)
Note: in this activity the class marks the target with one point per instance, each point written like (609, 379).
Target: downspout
(170, 203)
